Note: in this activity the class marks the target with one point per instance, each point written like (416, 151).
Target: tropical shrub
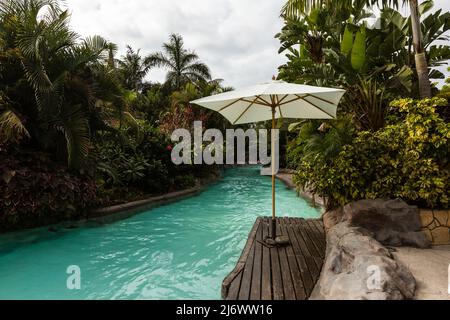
(408, 158)
(35, 190)
(142, 160)
(315, 138)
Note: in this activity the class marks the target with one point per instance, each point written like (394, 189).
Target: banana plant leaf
(347, 41)
(358, 55)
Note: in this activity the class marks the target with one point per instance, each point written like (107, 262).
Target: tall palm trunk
(419, 53)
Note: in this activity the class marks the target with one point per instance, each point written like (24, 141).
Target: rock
(332, 218)
(441, 217)
(441, 235)
(415, 239)
(358, 267)
(427, 234)
(426, 217)
(392, 222)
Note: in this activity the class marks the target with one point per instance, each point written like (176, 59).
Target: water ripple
(178, 251)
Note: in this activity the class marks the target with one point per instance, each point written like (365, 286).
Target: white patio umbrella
(270, 101)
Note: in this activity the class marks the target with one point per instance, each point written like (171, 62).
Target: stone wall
(436, 225)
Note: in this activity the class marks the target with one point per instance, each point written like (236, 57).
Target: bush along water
(81, 127)
(408, 158)
(134, 162)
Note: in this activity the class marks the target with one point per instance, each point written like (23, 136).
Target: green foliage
(445, 90)
(367, 102)
(151, 103)
(347, 41)
(72, 99)
(140, 161)
(358, 56)
(11, 128)
(132, 69)
(408, 158)
(183, 65)
(49, 74)
(345, 49)
(319, 139)
(35, 190)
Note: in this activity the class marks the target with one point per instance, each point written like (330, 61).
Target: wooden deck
(276, 273)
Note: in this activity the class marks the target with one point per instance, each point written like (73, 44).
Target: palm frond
(158, 59)
(74, 125)
(12, 128)
(198, 70)
(183, 65)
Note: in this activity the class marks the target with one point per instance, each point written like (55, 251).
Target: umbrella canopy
(288, 100)
(272, 100)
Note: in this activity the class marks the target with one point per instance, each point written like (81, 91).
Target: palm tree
(133, 68)
(293, 8)
(183, 65)
(419, 57)
(55, 66)
(214, 86)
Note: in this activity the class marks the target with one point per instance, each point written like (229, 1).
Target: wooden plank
(288, 287)
(315, 241)
(288, 282)
(313, 259)
(319, 236)
(318, 224)
(307, 276)
(277, 281)
(297, 279)
(255, 291)
(233, 291)
(283, 272)
(246, 282)
(313, 265)
(306, 238)
(306, 247)
(266, 276)
(241, 261)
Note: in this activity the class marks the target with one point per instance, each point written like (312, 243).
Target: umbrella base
(278, 241)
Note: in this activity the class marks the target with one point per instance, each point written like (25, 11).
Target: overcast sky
(235, 38)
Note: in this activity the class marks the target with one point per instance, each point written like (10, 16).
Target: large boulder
(391, 222)
(358, 267)
(331, 218)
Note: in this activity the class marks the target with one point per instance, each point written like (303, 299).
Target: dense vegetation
(383, 143)
(81, 127)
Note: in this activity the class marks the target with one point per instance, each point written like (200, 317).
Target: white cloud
(234, 37)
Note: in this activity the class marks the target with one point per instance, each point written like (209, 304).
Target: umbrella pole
(273, 222)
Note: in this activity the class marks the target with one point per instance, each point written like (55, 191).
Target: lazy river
(181, 250)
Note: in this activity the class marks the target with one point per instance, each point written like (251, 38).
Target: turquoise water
(177, 251)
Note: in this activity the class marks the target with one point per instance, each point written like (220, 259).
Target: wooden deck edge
(313, 253)
(241, 261)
